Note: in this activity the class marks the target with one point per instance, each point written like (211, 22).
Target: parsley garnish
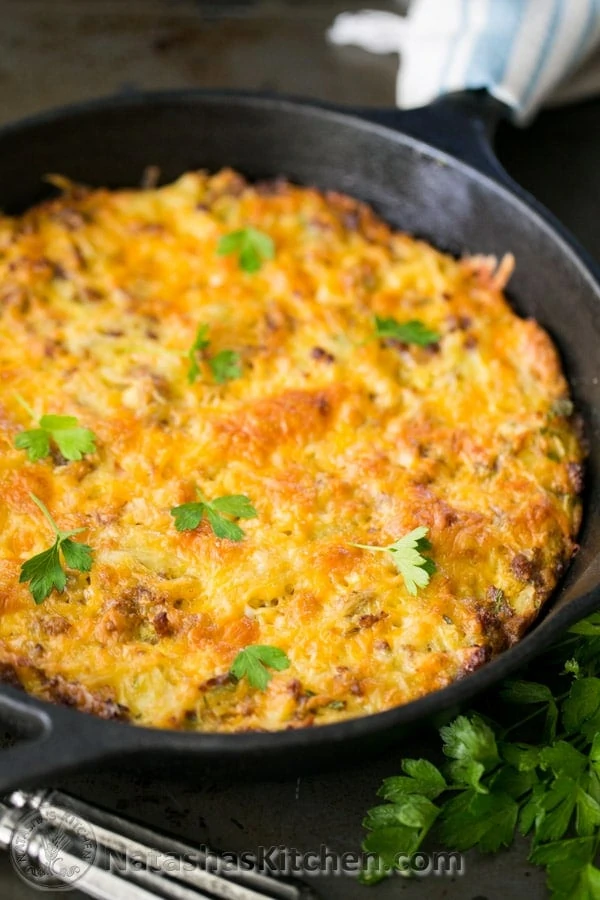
(416, 569)
(534, 769)
(44, 571)
(252, 246)
(201, 342)
(189, 515)
(255, 661)
(412, 332)
(64, 431)
(225, 365)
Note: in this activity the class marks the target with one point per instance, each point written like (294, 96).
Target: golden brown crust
(335, 438)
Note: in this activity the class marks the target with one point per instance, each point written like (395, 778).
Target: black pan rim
(129, 737)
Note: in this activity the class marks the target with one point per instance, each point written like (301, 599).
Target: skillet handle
(50, 743)
(463, 124)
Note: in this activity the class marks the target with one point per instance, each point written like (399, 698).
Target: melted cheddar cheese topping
(334, 436)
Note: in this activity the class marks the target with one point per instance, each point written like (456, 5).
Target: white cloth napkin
(524, 52)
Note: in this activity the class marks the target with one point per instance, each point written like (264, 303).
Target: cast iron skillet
(395, 161)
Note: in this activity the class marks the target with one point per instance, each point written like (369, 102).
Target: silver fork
(42, 828)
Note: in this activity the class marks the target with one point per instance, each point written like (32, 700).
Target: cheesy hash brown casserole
(211, 393)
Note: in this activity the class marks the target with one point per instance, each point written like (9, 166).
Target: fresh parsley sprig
(44, 571)
(535, 769)
(64, 431)
(254, 662)
(189, 515)
(224, 366)
(411, 332)
(407, 553)
(252, 246)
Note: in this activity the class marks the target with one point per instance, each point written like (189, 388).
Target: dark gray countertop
(53, 53)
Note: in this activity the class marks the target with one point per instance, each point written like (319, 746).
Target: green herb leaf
(57, 423)
(225, 366)
(422, 777)
(389, 843)
(253, 247)
(412, 332)
(77, 555)
(486, 821)
(472, 745)
(413, 810)
(254, 662)
(581, 709)
(44, 571)
(189, 515)
(36, 442)
(523, 757)
(222, 527)
(562, 759)
(527, 692)
(568, 865)
(514, 782)
(201, 342)
(72, 441)
(237, 505)
(407, 553)
(589, 626)
(557, 806)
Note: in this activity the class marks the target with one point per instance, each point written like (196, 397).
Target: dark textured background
(60, 51)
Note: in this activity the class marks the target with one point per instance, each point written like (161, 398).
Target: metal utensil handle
(125, 839)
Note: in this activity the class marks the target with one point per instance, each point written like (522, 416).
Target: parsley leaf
(581, 709)
(413, 810)
(224, 366)
(422, 777)
(201, 342)
(531, 692)
(416, 569)
(589, 626)
(472, 819)
(44, 571)
(252, 246)
(72, 441)
(472, 746)
(254, 662)
(412, 332)
(36, 442)
(571, 873)
(189, 515)
(222, 527)
(77, 555)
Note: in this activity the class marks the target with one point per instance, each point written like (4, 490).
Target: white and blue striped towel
(524, 52)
